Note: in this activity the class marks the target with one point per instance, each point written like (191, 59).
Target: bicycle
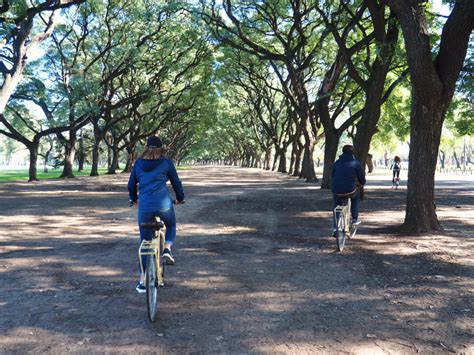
(155, 264)
(395, 183)
(344, 226)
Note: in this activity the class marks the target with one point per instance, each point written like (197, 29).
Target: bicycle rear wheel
(151, 287)
(341, 231)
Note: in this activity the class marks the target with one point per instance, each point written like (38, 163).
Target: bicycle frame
(345, 209)
(150, 247)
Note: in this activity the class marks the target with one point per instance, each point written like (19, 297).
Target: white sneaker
(140, 287)
(168, 256)
(356, 222)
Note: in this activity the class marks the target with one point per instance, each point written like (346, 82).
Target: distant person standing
(396, 167)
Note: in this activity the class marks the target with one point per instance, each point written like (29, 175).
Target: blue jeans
(167, 216)
(355, 199)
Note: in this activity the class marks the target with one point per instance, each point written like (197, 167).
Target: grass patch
(22, 174)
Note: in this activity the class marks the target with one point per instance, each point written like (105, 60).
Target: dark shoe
(169, 260)
(140, 287)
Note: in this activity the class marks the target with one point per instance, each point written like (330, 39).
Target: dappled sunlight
(314, 214)
(32, 227)
(9, 248)
(196, 230)
(445, 247)
(255, 266)
(96, 271)
(206, 281)
(348, 346)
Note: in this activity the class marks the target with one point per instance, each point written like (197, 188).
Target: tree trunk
(131, 157)
(96, 149)
(297, 161)
(81, 155)
(282, 160)
(307, 168)
(425, 138)
(109, 157)
(95, 159)
(275, 161)
(442, 158)
(114, 161)
(69, 154)
(294, 147)
(80, 161)
(331, 142)
(46, 159)
(266, 162)
(433, 84)
(367, 126)
(33, 148)
(456, 159)
(370, 163)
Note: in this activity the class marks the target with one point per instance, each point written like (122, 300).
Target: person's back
(152, 176)
(346, 172)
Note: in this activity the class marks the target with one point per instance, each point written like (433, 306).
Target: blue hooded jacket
(345, 172)
(151, 177)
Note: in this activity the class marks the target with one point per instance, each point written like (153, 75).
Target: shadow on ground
(257, 271)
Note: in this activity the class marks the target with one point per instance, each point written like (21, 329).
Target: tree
(287, 35)
(20, 38)
(367, 45)
(259, 88)
(21, 125)
(433, 79)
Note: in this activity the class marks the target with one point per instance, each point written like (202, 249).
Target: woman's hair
(397, 159)
(348, 149)
(152, 153)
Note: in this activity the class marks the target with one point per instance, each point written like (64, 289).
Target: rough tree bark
(33, 148)
(114, 163)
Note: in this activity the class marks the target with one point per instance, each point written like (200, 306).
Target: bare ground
(256, 270)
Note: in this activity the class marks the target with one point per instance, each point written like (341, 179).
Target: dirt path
(256, 271)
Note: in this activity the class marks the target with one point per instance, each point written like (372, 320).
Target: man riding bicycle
(347, 173)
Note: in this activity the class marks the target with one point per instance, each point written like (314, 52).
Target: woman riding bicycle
(151, 172)
(396, 167)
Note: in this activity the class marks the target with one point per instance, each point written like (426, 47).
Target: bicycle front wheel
(341, 231)
(151, 287)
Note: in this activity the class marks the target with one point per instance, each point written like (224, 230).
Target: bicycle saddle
(153, 224)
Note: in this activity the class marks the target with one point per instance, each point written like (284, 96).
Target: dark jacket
(151, 177)
(345, 172)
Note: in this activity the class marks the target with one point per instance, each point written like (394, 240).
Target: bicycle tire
(340, 232)
(151, 287)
